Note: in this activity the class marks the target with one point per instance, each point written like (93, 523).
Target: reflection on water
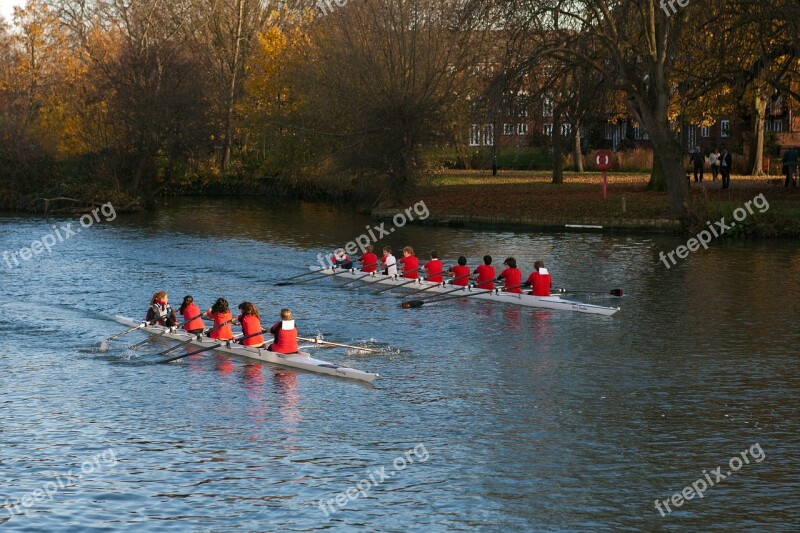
(535, 420)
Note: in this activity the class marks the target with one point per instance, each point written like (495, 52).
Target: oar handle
(240, 339)
(201, 350)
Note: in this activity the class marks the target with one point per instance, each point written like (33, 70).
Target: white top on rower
(391, 265)
(543, 271)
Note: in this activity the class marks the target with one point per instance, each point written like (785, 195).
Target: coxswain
(512, 276)
(460, 272)
(160, 311)
(540, 280)
(389, 262)
(192, 316)
(486, 274)
(339, 259)
(368, 260)
(251, 325)
(285, 334)
(410, 263)
(222, 317)
(434, 268)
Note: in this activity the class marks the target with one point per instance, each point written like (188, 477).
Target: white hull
(525, 300)
(299, 360)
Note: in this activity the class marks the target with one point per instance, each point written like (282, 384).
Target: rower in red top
(486, 273)
(192, 316)
(512, 276)
(285, 333)
(221, 316)
(540, 280)
(461, 270)
(251, 324)
(368, 260)
(434, 268)
(410, 263)
(339, 259)
(160, 311)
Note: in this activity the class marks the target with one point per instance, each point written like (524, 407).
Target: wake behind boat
(300, 360)
(525, 300)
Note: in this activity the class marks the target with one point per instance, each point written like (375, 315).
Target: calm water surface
(522, 419)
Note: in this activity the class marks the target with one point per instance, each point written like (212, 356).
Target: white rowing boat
(299, 360)
(525, 300)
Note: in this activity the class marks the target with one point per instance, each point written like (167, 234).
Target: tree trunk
(657, 181)
(757, 142)
(577, 155)
(558, 150)
(226, 149)
(667, 152)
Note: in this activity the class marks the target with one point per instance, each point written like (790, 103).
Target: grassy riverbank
(529, 199)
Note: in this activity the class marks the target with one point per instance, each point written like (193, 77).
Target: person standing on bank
(790, 166)
(699, 161)
(725, 163)
(713, 160)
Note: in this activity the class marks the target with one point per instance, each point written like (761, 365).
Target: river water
(486, 417)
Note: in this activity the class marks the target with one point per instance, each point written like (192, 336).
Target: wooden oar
(380, 278)
(160, 333)
(149, 338)
(134, 328)
(368, 274)
(285, 283)
(400, 284)
(434, 286)
(216, 345)
(215, 328)
(414, 304)
(304, 274)
(320, 341)
(612, 292)
(333, 273)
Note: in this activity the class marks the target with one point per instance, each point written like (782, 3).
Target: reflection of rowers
(285, 334)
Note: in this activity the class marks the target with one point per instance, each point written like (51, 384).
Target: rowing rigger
(525, 300)
(300, 360)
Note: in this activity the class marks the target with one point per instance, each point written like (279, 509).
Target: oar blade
(412, 304)
(616, 292)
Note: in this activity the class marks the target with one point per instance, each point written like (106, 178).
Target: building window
(522, 129)
(547, 107)
(481, 135)
(547, 129)
(508, 129)
(724, 128)
(774, 125)
(705, 132)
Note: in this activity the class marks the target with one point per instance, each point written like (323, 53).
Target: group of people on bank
(284, 331)
(720, 164)
(434, 270)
